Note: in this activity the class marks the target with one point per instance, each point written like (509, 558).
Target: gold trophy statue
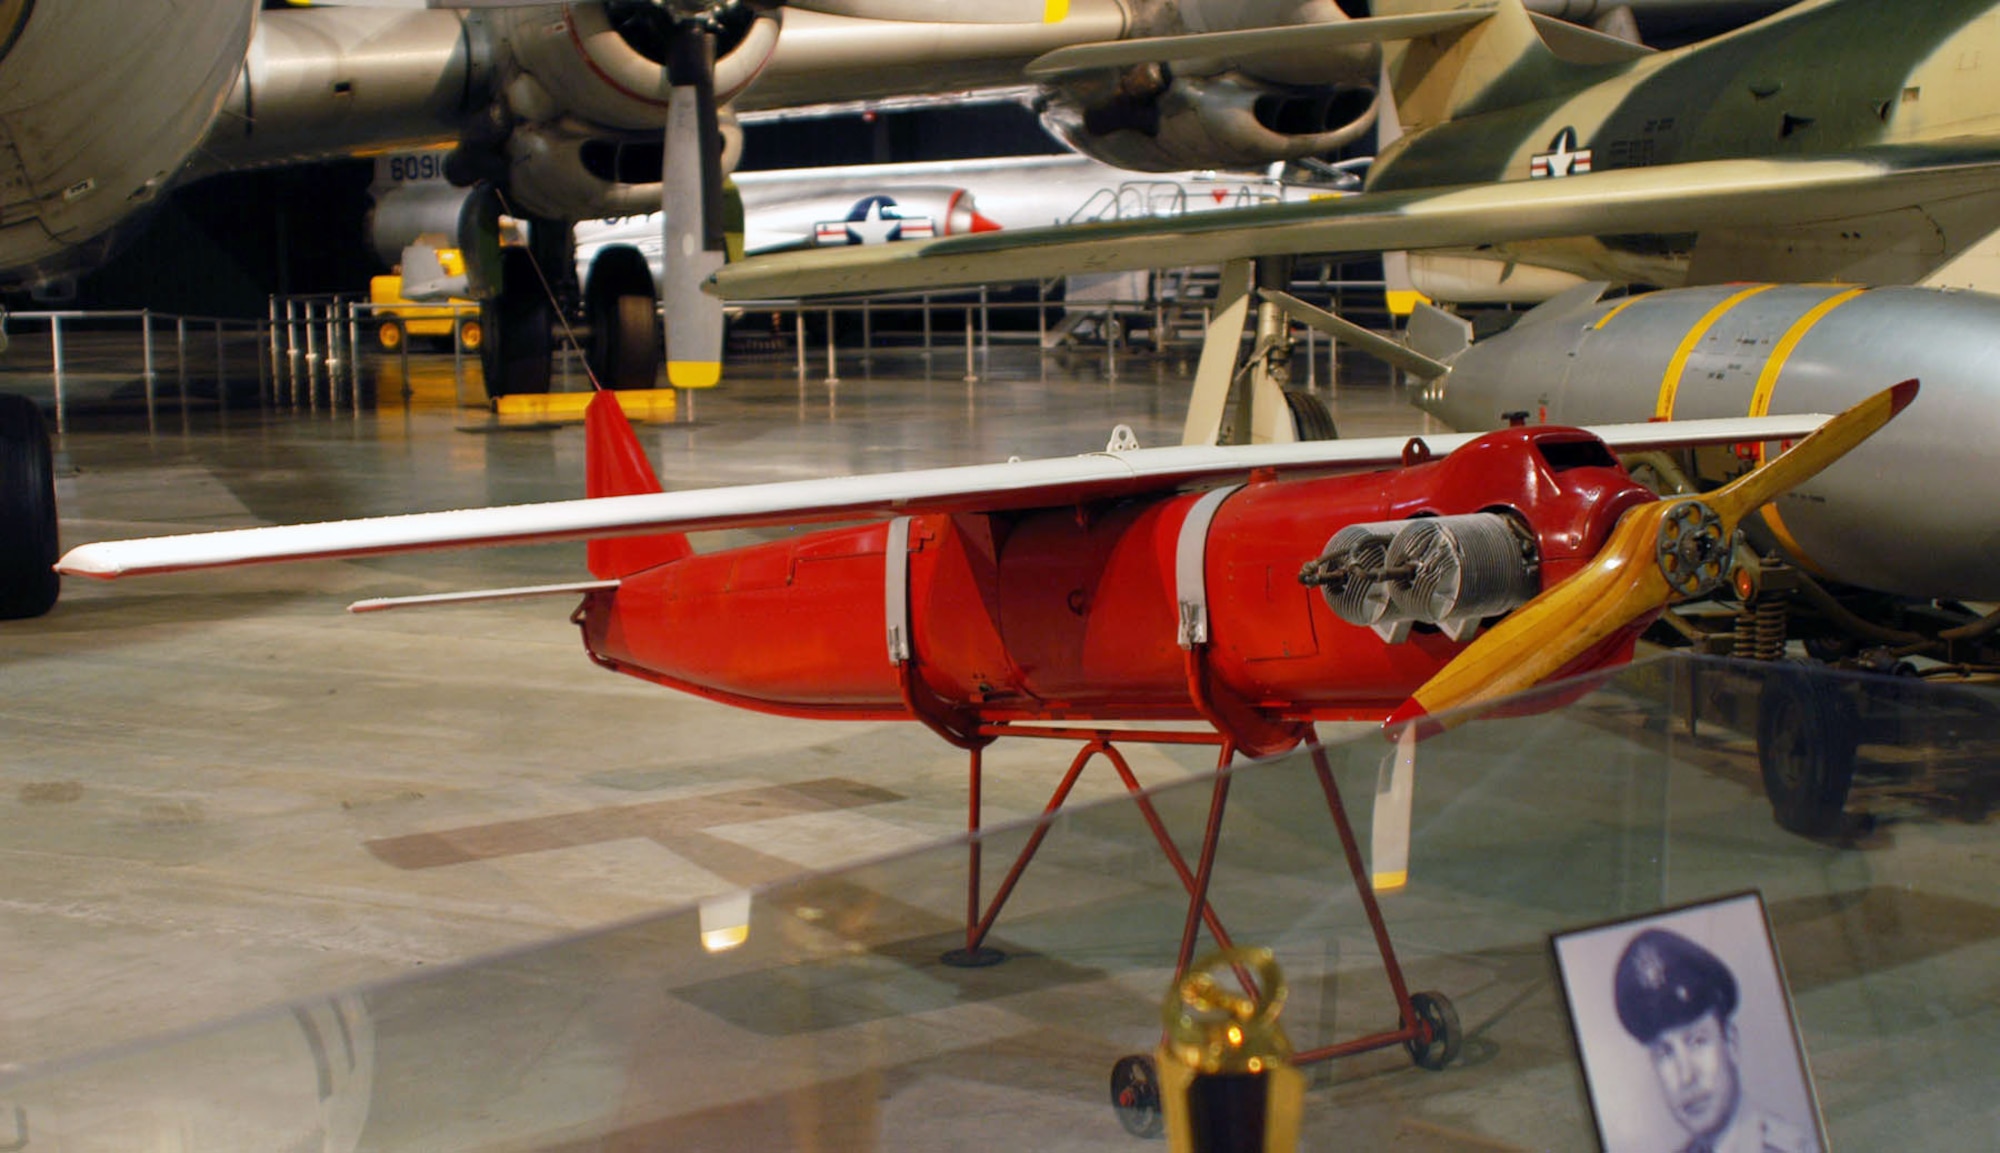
(1227, 1083)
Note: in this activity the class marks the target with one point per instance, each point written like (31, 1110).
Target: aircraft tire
(514, 349)
(28, 581)
(620, 305)
(1311, 419)
(1807, 732)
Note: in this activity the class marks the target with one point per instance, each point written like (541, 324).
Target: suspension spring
(1760, 630)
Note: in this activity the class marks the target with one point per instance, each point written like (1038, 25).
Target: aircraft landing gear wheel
(514, 346)
(389, 335)
(1310, 418)
(1439, 1021)
(619, 304)
(1135, 1094)
(28, 581)
(470, 335)
(1806, 738)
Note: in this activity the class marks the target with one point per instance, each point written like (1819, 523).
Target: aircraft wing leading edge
(1744, 193)
(974, 488)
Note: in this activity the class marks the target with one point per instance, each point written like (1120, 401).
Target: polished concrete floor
(207, 774)
(220, 792)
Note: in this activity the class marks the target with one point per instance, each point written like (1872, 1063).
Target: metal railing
(191, 338)
(977, 308)
(306, 353)
(316, 340)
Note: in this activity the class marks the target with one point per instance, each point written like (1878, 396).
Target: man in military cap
(1679, 1000)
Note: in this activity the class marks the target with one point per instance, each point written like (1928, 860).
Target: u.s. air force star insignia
(1563, 158)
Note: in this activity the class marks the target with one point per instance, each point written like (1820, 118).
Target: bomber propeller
(693, 242)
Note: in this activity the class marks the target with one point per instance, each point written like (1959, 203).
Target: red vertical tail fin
(615, 465)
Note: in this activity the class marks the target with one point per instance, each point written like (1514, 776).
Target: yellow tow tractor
(397, 317)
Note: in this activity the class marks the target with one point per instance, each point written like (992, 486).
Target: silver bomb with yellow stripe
(1911, 513)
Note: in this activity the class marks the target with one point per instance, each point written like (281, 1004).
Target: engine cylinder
(1441, 570)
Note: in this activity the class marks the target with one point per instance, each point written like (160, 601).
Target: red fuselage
(1072, 613)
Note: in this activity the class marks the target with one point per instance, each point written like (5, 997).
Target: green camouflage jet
(1839, 139)
(1846, 140)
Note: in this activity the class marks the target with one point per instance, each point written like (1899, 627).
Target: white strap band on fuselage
(1190, 557)
(896, 589)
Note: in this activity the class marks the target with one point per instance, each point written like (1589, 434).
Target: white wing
(975, 488)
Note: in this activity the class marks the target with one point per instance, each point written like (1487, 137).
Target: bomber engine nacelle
(1151, 119)
(578, 115)
(1164, 117)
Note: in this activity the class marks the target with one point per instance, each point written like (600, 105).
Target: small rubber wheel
(1807, 732)
(1135, 1095)
(515, 346)
(1310, 418)
(389, 335)
(470, 334)
(1440, 1022)
(28, 581)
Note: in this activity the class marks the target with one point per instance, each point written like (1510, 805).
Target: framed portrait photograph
(1684, 1026)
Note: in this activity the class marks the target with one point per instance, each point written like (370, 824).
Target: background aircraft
(783, 209)
(561, 109)
(1858, 156)
(415, 214)
(558, 111)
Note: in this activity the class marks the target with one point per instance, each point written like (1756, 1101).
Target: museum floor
(221, 793)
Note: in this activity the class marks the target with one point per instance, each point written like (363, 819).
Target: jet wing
(1250, 47)
(975, 488)
(1746, 193)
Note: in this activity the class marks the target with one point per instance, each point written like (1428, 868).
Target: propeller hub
(1693, 548)
(648, 27)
